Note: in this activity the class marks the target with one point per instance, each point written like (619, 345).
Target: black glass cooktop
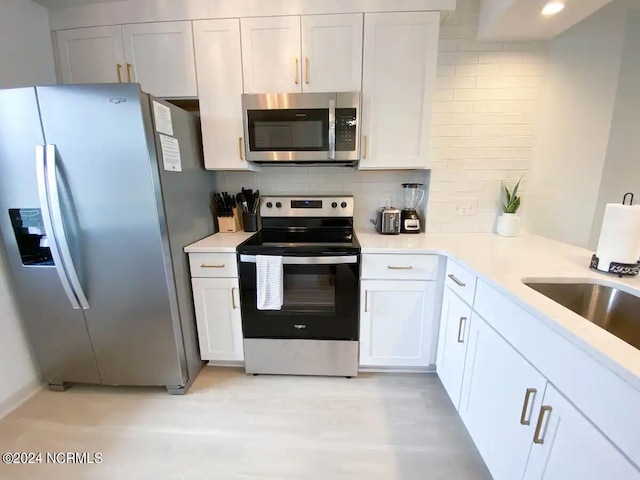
(302, 241)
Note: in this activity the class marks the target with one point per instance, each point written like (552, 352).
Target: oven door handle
(332, 129)
(322, 260)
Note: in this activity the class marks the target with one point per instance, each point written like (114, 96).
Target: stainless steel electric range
(316, 330)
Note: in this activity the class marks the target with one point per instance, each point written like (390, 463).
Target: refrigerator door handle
(48, 225)
(58, 225)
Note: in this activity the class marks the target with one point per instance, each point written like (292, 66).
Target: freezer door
(57, 331)
(108, 181)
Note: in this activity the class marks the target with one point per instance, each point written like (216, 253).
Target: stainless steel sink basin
(616, 311)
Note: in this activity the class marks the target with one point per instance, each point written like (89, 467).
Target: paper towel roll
(620, 235)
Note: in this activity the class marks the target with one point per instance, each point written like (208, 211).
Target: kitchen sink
(616, 311)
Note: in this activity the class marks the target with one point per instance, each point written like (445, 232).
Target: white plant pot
(508, 225)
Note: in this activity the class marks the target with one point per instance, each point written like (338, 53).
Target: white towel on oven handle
(269, 282)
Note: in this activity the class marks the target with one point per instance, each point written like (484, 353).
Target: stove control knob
(278, 204)
(269, 204)
(334, 205)
(343, 204)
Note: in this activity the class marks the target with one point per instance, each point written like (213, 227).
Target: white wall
(486, 101)
(26, 58)
(573, 127)
(622, 165)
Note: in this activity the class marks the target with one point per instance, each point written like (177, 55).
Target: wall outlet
(467, 206)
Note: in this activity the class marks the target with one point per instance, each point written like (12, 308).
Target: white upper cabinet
(399, 71)
(160, 58)
(219, 69)
(566, 445)
(271, 54)
(332, 53)
(91, 55)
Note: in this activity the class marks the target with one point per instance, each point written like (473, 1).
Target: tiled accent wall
(484, 117)
(370, 189)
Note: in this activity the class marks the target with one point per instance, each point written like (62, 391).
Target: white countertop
(219, 243)
(504, 262)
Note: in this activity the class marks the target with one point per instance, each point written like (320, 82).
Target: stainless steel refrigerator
(101, 187)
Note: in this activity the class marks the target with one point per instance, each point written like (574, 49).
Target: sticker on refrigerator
(170, 153)
(162, 115)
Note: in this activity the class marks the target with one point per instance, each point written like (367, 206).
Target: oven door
(321, 299)
(301, 127)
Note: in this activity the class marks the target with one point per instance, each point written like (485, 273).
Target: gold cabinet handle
(240, 149)
(129, 72)
(233, 297)
(118, 68)
(531, 392)
(366, 300)
(391, 267)
(536, 436)
(295, 71)
(366, 146)
(463, 321)
(306, 70)
(211, 266)
(457, 281)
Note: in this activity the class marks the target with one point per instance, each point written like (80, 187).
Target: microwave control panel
(346, 122)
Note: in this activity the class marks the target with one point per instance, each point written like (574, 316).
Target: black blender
(413, 196)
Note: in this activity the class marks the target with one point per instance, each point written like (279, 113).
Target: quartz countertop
(219, 243)
(503, 263)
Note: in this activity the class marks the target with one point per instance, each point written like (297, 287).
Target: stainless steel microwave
(302, 127)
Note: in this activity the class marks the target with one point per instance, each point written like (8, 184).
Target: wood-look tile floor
(234, 426)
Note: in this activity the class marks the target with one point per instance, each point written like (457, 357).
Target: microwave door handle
(332, 129)
(41, 177)
(58, 226)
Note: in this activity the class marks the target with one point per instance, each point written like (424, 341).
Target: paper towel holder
(620, 269)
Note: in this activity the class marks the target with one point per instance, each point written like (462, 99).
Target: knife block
(230, 224)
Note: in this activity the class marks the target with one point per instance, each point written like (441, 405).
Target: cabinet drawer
(461, 281)
(221, 265)
(400, 267)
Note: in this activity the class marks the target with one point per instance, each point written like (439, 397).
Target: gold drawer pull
(390, 267)
(457, 281)
(306, 70)
(118, 67)
(240, 149)
(211, 266)
(295, 74)
(463, 321)
(129, 72)
(531, 392)
(536, 436)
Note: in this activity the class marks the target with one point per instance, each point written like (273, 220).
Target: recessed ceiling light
(551, 8)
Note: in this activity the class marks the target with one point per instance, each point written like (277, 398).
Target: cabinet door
(217, 42)
(396, 323)
(569, 446)
(399, 65)
(160, 58)
(91, 55)
(217, 305)
(271, 54)
(332, 53)
(452, 343)
(501, 394)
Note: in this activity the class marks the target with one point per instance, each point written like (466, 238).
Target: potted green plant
(509, 221)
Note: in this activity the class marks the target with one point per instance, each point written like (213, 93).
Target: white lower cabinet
(396, 323)
(568, 446)
(500, 399)
(452, 343)
(217, 305)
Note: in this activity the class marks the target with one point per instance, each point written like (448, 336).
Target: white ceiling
(52, 4)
